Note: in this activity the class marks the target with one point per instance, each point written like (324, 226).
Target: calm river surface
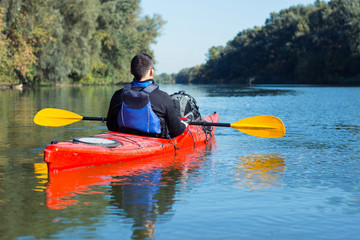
(305, 185)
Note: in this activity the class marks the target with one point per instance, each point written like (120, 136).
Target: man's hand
(185, 121)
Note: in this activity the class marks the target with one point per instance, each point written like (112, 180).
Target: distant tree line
(314, 44)
(60, 41)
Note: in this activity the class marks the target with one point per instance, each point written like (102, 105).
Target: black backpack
(186, 105)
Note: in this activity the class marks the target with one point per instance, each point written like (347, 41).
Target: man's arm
(175, 126)
(115, 104)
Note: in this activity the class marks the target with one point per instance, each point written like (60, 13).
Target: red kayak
(113, 147)
(64, 187)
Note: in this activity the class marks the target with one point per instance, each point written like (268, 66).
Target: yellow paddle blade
(52, 117)
(261, 126)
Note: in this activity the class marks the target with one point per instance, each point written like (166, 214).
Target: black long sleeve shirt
(161, 104)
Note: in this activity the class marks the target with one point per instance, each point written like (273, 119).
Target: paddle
(53, 117)
(259, 126)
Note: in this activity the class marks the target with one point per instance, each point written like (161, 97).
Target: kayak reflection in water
(144, 190)
(139, 198)
(149, 195)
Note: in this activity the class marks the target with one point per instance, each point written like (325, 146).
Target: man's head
(142, 66)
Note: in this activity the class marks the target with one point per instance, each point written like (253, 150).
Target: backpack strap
(150, 88)
(127, 87)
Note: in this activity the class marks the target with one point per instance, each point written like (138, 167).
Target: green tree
(6, 62)
(91, 41)
(214, 52)
(122, 34)
(22, 33)
(314, 44)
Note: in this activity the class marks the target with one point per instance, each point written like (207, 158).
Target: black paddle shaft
(210, 124)
(103, 119)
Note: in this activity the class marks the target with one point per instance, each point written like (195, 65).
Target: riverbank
(22, 86)
(12, 86)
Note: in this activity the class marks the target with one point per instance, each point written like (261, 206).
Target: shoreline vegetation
(91, 42)
(72, 41)
(315, 44)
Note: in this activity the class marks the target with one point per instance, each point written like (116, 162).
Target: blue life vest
(136, 111)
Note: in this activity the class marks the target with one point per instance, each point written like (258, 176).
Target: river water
(305, 185)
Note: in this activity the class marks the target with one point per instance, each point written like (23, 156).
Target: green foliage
(6, 62)
(214, 53)
(164, 78)
(87, 41)
(314, 44)
(22, 36)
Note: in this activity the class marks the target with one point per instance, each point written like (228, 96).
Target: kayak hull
(68, 155)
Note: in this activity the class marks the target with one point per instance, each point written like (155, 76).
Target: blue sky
(194, 26)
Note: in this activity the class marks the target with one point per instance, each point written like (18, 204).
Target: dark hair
(140, 64)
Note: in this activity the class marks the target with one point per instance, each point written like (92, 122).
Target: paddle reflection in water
(261, 171)
(143, 189)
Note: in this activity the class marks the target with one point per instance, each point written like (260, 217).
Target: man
(141, 108)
